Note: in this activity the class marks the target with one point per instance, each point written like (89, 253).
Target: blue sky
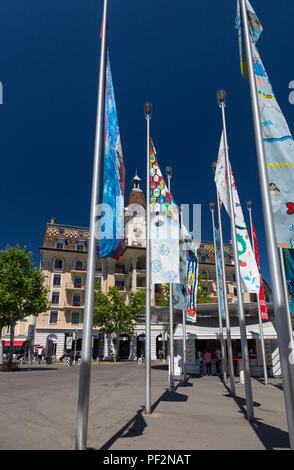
(175, 54)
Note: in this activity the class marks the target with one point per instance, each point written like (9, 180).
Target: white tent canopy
(212, 332)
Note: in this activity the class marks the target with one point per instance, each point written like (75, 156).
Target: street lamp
(169, 170)
(221, 97)
(148, 111)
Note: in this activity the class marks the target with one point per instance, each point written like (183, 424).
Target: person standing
(40, 354)
(207, 360)
(201, 364)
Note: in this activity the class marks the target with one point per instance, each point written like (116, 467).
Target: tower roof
(136, 195)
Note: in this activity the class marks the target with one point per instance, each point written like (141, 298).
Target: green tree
(164, 299)
(113, 316)
(22, 291)
(203, 297)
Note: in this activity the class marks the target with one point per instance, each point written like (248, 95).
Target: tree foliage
(111, 313)
(22, 291)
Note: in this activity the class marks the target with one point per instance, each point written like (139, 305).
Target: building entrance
(124, 347)
(141, 345)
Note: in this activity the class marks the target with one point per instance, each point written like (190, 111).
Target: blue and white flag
(112, 237)
(278, 141)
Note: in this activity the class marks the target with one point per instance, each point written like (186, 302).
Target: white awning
(212, 332)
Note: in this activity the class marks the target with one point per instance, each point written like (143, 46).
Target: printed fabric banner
(114, 178)
(164, 229)
(219, 272)
(185, 293)
(250, 276)
(278, 141)
(263, 307)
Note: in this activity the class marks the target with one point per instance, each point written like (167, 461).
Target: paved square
(39, 407)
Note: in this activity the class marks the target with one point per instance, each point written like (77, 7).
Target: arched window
(58, 263)
(79, 265)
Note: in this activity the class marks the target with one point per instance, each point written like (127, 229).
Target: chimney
(53, 220)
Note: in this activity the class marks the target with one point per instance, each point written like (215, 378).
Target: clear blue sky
(175, 54)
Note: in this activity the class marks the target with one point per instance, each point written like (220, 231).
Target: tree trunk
(10, 361)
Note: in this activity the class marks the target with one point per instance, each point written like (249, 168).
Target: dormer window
(81, 246)
(60, 243)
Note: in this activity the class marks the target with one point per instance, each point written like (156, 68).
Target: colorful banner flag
(248, 269)
(263, 308)
(185, 293)
(278, 141)
(289, 270)
(219, 272)
(114, 177)
(164, 227)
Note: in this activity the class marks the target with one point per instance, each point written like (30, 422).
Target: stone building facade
(64, 254)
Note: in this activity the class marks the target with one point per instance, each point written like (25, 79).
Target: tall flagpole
(228, 325)
(279, 300)
(224, 361)
(85, 369)
(249, 207)
(148, 110)
(184, 348)
(168, 170)
(248, 391)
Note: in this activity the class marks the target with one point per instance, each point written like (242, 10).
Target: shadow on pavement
(24, 369)
(136, 425)
(270, 436)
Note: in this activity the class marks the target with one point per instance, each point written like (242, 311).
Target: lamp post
(169, 170)
(224, 361)
(221, 97)
(228, 325)
(249, 207)
(85, 370)
(148, 112)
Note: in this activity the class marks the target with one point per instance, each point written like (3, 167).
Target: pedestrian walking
(100, 357)
(207, 360)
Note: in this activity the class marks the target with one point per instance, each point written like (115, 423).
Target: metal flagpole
(291, 342)
(148, 110)
(228, 325)
(224, 361)
(279, 299)
(168, 170)
(244, 346)
(184, 347)
(249, 207)
(85, 370)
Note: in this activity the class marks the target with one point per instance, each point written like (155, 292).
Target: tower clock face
(138, 211)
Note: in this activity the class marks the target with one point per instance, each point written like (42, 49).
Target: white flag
(248, 268)
(164, 229)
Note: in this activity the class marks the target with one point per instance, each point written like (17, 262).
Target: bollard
(68, 361)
